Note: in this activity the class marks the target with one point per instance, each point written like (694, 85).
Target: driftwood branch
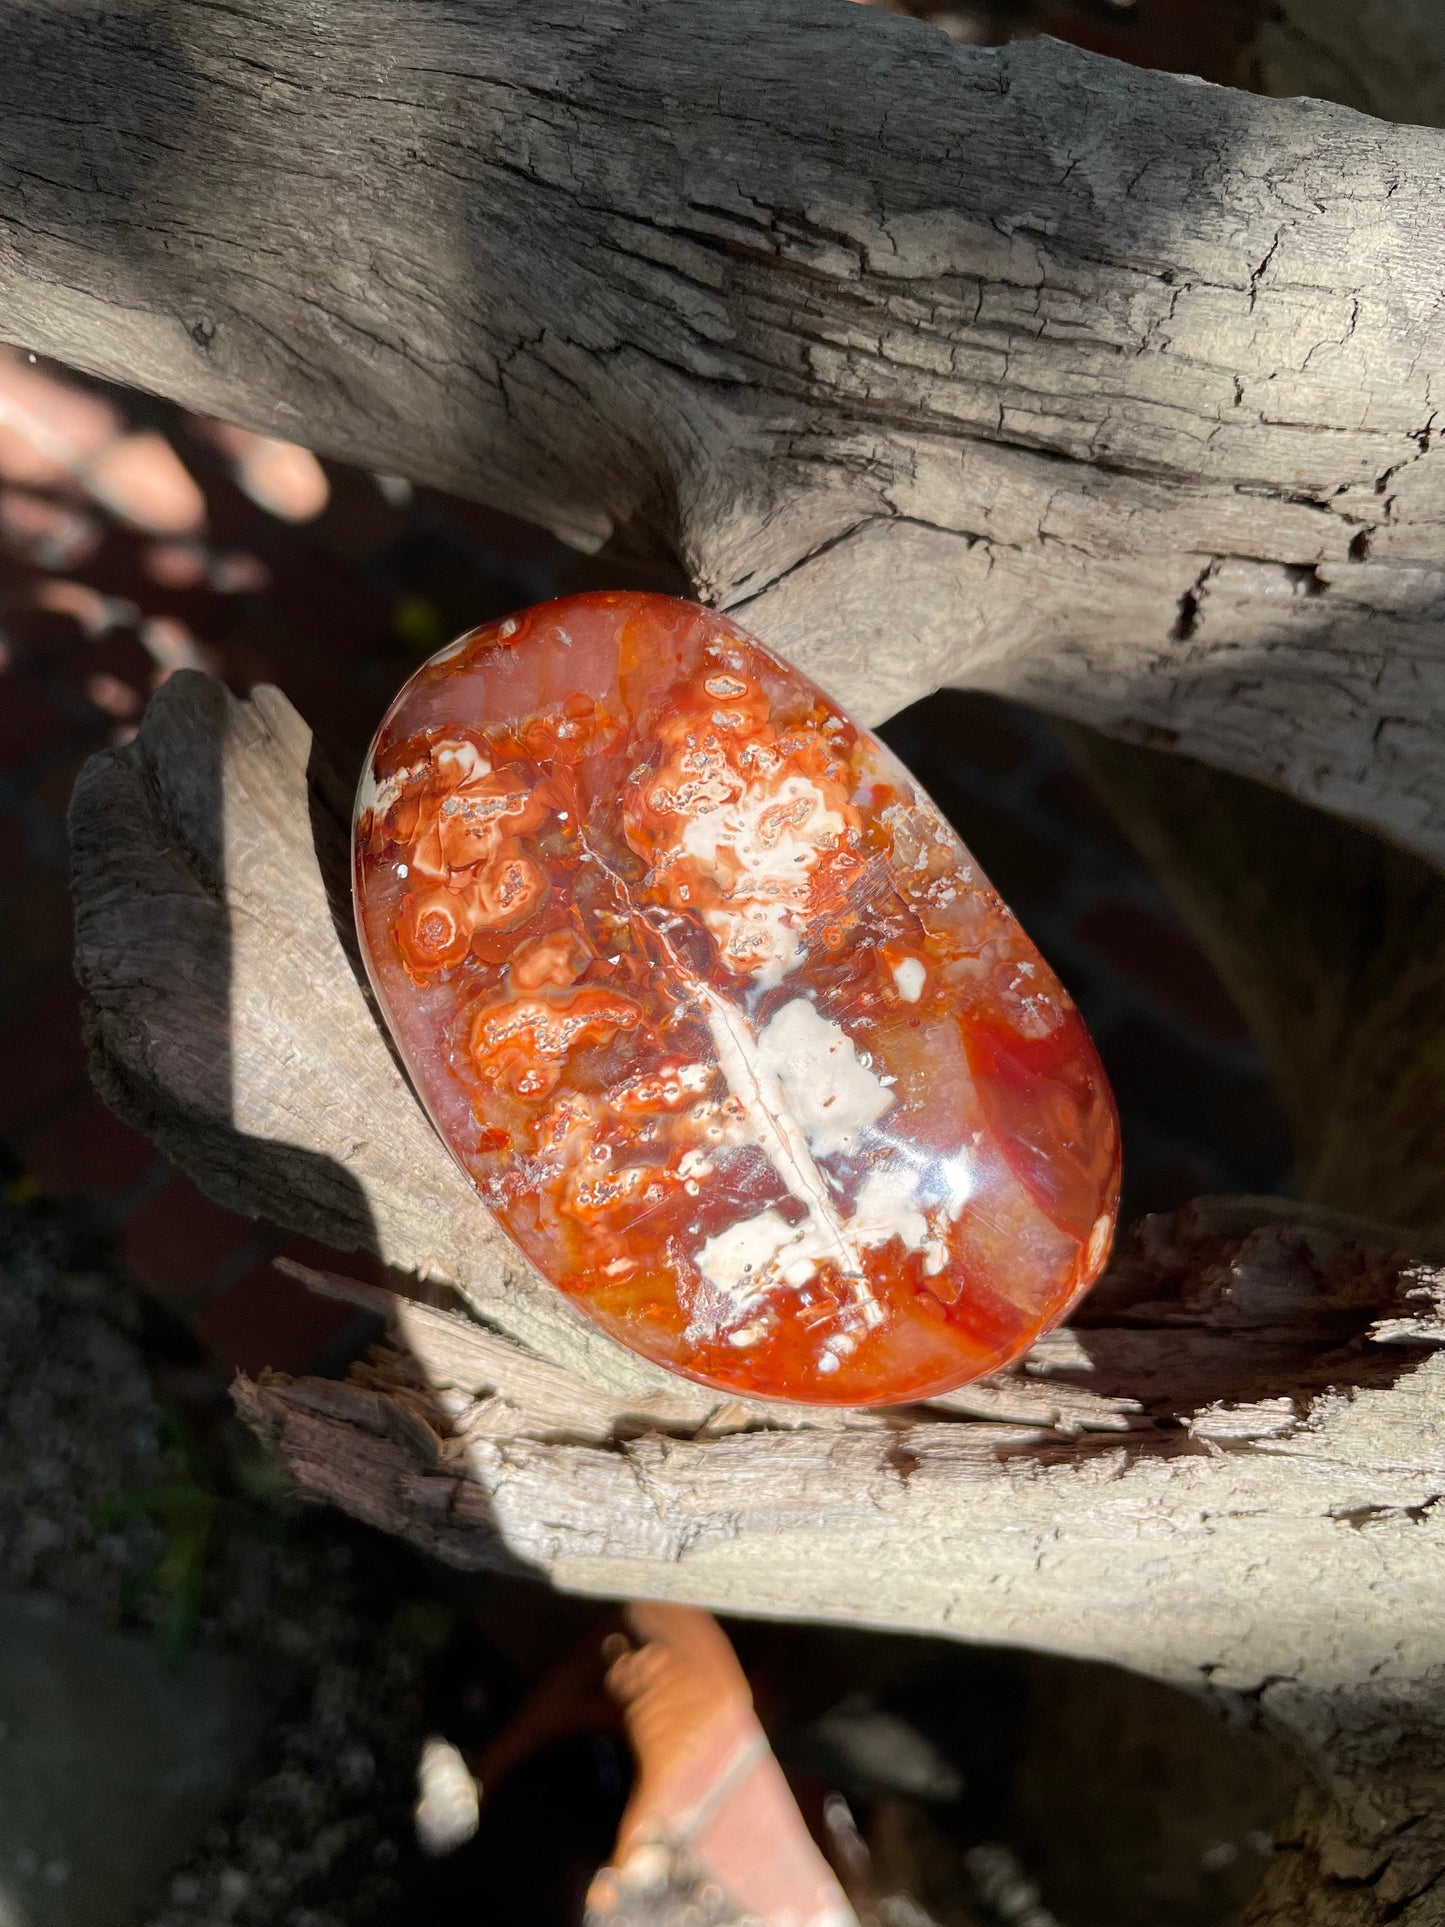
(1247, 1368)
(1229, 1473)
(1142, 1490)
(1008, 366)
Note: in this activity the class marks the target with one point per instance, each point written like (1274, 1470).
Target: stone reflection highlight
(718, 1013)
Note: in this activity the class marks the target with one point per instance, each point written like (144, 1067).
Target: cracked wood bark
(1331, 942)
(1229, 1474)
(1097, 387)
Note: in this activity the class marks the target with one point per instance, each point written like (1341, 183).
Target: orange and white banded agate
(719, 1015)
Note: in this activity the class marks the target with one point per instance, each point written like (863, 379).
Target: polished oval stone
(720, 1016)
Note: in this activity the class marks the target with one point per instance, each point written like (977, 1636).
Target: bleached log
(1009, 366)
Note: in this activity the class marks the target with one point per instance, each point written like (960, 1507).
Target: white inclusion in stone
(379, 797)
(765, 931)
(799, 1265)
(773, 837)
(758, 1252)
(1099, 1241)
(755, 1085)
(736, 1260)
(887, 1208)
(366, 790)
(828, 1090)
(460, 762)
(908, 974)
(749, 1334)
(452, 649)
(692, 1168)
(803, 1090)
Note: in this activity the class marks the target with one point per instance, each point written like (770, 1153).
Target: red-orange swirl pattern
(718, 1013)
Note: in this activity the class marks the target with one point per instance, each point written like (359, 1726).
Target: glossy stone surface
(719, 1015)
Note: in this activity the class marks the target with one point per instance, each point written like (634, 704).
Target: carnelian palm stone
(718, 1014)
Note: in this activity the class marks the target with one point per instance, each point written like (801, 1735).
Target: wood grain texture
(1098, 387)
(1248, 1377)
(1258, 1517)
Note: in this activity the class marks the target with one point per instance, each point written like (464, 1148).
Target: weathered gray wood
(1011, 366)
(1284, 1379)
(1102, 388)
(1269, 1528)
